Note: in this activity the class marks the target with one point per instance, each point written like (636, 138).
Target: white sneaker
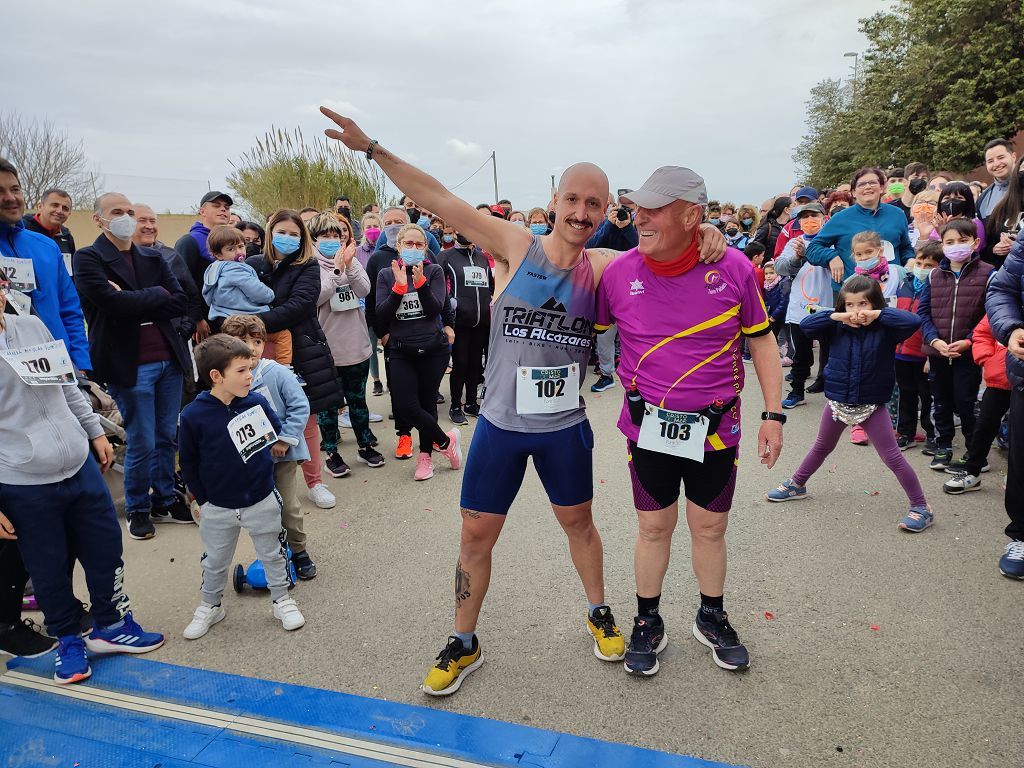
(322, 497)
(345, 420)
(288, 612)
(205, 617)
(374, 417)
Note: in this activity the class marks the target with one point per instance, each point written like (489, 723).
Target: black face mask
(462, 240)
(346, 212)
(251, 249)
(917, 186)
(414, 214)
(953, 207)
(732, 232)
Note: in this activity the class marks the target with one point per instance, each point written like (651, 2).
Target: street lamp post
(856, 59)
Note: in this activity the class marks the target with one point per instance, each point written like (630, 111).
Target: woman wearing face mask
(343, 282)
(924, 219)
(288, 265)
(537, 221)
(956, 201)
(748, 217)
(837, 201)
(253, 235)
(371, 227)
(776, 218)
(410, 300)
(518, 218)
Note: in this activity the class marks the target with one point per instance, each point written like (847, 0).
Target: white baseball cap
(666, 185)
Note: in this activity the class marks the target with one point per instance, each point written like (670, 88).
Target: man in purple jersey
(680, 324)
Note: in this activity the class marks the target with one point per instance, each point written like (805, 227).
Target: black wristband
(770, 416)
(369, 150)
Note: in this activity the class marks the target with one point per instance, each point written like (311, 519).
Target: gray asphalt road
(885, 648)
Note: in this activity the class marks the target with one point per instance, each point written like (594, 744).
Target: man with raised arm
(543, 314)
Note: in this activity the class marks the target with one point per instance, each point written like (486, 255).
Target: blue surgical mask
(449, 238)
(328, 247)
(747, 222)
(412, 256)
(868, 263)
(285, 244)
(921, 274)
(538, 229)
(424, 222)
(716, 222)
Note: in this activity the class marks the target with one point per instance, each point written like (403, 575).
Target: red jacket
(913, 348)
(990, 355)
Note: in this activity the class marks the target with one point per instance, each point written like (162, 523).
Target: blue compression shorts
(497, 464)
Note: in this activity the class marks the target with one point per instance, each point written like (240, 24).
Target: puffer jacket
(1004, 304)
(990, 355)
(951, 305)
(296, 288)
(861, 361)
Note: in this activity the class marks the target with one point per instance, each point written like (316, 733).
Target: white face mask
(122, 227)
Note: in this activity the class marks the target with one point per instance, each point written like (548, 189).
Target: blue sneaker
(917, 519)
(602, 384)
(72, 664)
(793, 400)
(1011, 564)
(646, 642)
(127, 638)
(715, 631)
(787, 491)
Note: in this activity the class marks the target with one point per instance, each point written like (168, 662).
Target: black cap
(216, 195)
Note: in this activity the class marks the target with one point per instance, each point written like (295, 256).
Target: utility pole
(856, 60)
(494, 164)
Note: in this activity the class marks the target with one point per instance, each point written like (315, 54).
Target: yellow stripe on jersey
(716, 442)
(601, 328)
(760, 326)
(701, 364)
(711, 323)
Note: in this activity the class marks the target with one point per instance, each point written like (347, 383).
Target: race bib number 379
(42, 364)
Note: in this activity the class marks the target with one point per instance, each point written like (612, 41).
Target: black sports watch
(770, 416)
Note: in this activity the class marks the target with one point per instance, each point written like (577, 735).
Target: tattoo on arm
(461, 585)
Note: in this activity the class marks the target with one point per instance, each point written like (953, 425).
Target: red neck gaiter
(686, 261)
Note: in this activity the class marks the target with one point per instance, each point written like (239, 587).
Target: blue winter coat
(1004, 304)
(55, 299)
(861, 366)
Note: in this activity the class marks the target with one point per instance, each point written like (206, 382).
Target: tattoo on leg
(471, 513)
(461, 585)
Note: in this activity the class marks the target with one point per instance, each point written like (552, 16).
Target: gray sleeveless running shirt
(544, 318)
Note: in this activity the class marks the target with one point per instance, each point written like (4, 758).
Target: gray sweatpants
(606, 350)
(218, 530)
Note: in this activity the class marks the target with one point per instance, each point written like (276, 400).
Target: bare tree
(45, 157)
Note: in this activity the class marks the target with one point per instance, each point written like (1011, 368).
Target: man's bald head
(585, 173)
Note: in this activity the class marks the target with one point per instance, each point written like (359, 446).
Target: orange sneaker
(404, 449)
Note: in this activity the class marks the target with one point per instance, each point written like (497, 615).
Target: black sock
(711, 604)
(647, 606)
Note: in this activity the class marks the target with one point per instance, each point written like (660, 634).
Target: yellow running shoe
(454, 663)
(609, 644)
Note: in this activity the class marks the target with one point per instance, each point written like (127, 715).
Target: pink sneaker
(424, 467)
(454, 450)
(858, 436)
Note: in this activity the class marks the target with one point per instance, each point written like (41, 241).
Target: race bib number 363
(42, 364)
(547, 390)
(676, 433)
(251, 432)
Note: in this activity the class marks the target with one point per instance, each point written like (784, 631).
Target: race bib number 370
(42, 364)
(251, 432)
(548, 390)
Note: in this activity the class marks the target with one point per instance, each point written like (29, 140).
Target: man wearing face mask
(130, 298)
(145, 236)
(471, 284)
(214, 209)
(48, 290)
(343, 207)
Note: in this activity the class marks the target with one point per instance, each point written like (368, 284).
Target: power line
(474, 173)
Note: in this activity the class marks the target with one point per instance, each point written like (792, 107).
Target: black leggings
(13, 577)
(803, 357)
(414, 381)
(915, 399)
(468, 362)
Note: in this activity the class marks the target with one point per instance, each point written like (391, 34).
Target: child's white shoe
(205, 617)
(288, 612)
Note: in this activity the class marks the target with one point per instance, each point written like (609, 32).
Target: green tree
(283, 170)
(939, 79)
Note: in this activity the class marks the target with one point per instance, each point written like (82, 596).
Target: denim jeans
(150, 412)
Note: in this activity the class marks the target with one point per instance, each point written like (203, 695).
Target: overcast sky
(178, 88)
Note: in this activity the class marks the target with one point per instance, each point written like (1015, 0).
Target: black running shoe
(140, 527)
(715, 631)
(305, 568)
(378, 389)
(25, 638)
(646, 642)
(336, 466)
(456, 416)
(370, 457)
(440, 398)
(176, 512)
(817, 386)
(471, 409)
